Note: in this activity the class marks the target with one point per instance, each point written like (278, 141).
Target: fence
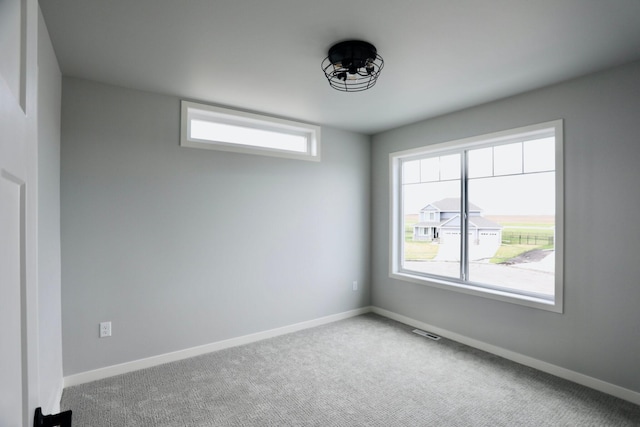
(526, 239)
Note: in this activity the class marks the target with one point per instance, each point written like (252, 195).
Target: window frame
(209, 113)
(396, 225)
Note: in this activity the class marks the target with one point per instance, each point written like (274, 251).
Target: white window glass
(481, 162)
(499, 204)
(450, 167)
(430, 169)
(507, 159)
(411, 172)
(423, 254)
(205, 126)
(515, 247)
(231, 134)
(539, 155)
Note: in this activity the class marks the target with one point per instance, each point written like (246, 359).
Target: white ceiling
(265, 55)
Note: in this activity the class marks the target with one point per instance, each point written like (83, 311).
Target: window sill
(495, 294)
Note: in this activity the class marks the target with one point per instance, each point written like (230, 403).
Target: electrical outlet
(105, 329)
(355, 285)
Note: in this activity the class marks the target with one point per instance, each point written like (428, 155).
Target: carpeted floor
(363, 371)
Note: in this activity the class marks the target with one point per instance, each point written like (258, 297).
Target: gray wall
(598, 333)
(180, 247)
(49, 304)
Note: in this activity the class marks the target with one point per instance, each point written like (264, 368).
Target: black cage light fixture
(352, 66)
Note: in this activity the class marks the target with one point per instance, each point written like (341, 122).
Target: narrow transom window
(482, 215)
(209, 127)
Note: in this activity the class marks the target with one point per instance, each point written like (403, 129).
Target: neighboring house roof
(477, 221)
(450, 204)
(482, 222)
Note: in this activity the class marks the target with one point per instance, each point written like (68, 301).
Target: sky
(532, 194)
(511, 179)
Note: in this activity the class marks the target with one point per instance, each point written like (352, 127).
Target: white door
(13, 363)
(17, 138)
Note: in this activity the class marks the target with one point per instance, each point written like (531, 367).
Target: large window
(209, 127)
(482, 215)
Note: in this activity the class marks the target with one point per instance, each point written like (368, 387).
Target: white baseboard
(567, 374)
(110, 371)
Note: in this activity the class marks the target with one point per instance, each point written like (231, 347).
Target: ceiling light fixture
(352, 66)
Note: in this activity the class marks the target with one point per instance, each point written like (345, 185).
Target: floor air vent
(426, 334)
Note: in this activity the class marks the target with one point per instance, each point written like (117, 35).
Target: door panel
(12, 308)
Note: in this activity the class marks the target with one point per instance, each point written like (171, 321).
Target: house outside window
(482, 215)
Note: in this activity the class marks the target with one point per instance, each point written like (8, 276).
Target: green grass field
(538, 231)
(420, 251)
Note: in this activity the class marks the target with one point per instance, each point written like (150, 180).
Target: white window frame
(208, 113)
(396, 227)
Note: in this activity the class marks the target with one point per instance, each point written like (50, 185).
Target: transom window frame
(396, 225)
(191, 111)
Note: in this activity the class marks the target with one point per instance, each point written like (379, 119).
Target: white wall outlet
(105, 329)
(355, 285)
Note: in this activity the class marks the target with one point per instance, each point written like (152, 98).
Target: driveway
(528, 276)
